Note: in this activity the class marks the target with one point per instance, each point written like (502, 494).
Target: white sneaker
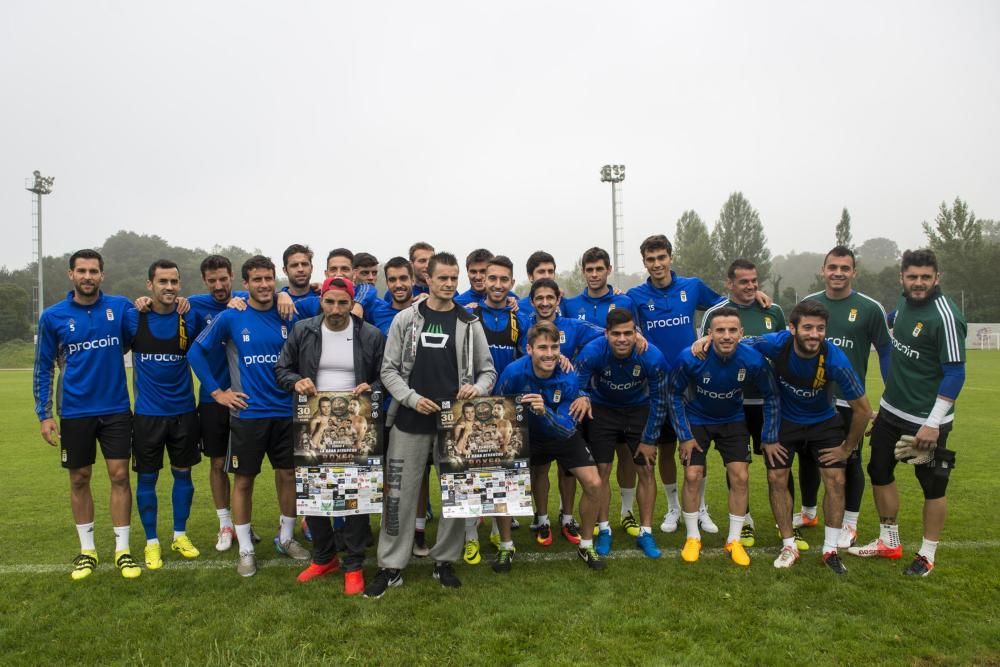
(797, 520)
(848, 536)
(225, 541)
(705, 521)
(787, 557)
(247, 564)
(670, 520)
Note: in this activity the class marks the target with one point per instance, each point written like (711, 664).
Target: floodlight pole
(41, 185)
(615, 174)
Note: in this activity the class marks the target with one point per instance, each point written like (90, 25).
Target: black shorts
(250, 439)
(809, 439)
(178, 434)
(732, 441)
(754, 415)
(888, 429)
(213, 425)
(846, 415)
(667, 434)
(570, 453)
(79, 437)
(613, 426)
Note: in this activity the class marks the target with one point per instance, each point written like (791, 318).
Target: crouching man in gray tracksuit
(435, 350)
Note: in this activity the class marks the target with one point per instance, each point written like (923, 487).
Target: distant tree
(844, 230)
(15, 313)
(991, 230)
(799, 270)
(882, 285)
(693, 255)
(877, 253)
(955, 230)
(738, 233)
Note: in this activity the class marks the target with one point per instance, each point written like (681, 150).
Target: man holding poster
(334, 351)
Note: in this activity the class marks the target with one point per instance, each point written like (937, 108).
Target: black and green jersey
(756, 321)
(924, 337)
(857, 322)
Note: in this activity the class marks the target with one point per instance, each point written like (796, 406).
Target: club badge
(611, 307)
(111, 315)
(741, 375)
(853, 315)
(767, 322)
(235, 462)
(917, 329)
(636, 370)
(684, 296)
(284, 331)
(557, 396)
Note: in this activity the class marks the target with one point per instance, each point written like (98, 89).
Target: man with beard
(420, 255)
(298, 267)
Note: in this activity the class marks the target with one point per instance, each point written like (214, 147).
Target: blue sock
(145, 498)
(182, 496)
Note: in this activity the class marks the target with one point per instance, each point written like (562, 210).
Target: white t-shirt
(336, 362)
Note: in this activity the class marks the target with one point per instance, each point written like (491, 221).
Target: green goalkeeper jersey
(924, 337)
(756, 321)
(857, 322)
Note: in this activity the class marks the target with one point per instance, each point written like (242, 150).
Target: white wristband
(938, 413)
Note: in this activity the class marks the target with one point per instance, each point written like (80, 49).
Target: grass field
(549, 610)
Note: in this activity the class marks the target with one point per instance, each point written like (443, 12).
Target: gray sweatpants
(404, 470)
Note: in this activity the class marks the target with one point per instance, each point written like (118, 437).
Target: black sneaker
(590, 557)
(832, 560)
(385, 579)
(920, 567)
(534, 524)
(445, 573)
(504, 561)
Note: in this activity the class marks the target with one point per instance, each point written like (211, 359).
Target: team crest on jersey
(235, 462)
(111, 315)
(768, 323)
(853, 315)
(72, 324)
(706, 378)
(684, 296)
(917, 329)
(562, 337)
(636, 370)
(741, 375)
(557, 396)
(611, 307)
(246, 335)
(284, 331)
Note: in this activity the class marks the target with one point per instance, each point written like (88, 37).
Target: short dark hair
(921, 257)
(618, 316)
(324, 399)
(841, 251)
(543, 283)
(724, 311)
(340, 252)
(214, 262)
(540, 329)
(656, 242)
(86, 253)
(162, 264)
(478, 256)
(398, 263)
(363, 259)
(256, 262)
(536, 259)
(808, 308)
(504, 261)
(595, 254)
(443, 258)
(738, 264)
(295, 249)
(420, 245)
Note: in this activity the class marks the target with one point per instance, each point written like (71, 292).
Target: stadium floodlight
(615, 174)
(41, 185)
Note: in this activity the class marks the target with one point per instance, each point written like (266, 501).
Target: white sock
(628, 498)
(748, 520)
(121, 538)
(928, 549)
(789, 542)
(889, 534)
(420, 523)
(691, 522)
(586, 544)
(671, 492)
(178, 534)
(830, 537)
(244, 537)
(851, 518)
(155, 540)
(809, 511)
(643, 530)
(507, 546)
(287, 525)
(225, 518)
(85, 531)
(604, 525)
(543, 519)
(495, 529)
(735, 526)
(471, 529)
(702, 507)
(566, 519)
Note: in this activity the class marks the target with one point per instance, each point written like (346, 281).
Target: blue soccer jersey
(161, 377)
(88, 344)
(253, 339)
(636, 380)
(559, 391)
(810, 404)
(594, 310)
(710, 390)
(666, 315)
(204, 308)
(573, 334)
(503, 333)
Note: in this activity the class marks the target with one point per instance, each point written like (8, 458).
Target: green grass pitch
(549, 610)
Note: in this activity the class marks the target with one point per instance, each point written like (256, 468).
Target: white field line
(522, 556)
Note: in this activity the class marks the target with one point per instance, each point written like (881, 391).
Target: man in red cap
(334, 351)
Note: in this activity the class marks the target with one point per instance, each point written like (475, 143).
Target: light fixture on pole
(41, 185)
(615, 174)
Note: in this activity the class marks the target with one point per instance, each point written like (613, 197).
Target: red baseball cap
(343, 284)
